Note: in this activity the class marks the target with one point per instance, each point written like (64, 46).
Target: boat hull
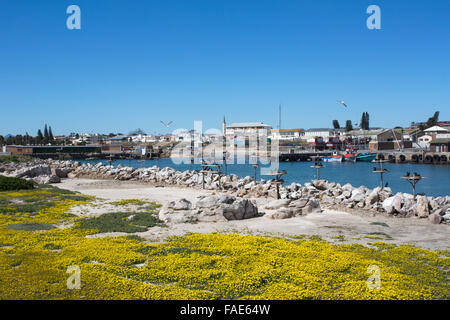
(333, 159)
(366, 157)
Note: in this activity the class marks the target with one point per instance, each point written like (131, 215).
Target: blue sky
(134, 63)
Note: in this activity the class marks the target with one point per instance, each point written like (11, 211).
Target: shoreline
(334, 226)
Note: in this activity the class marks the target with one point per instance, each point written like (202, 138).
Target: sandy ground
(329, 224)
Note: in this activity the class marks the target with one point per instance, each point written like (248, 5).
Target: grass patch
(378, 235)
(31, 226)
(121, 222)
(13, 184)
(339, 237)
(380, 224)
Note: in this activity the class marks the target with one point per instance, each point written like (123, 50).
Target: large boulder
(357, 195)
(435, 218)
(388, 205)
(283, 213)
(61, 172)
(277, 204)
(46, 179)
(225, 208)
(423, 209)
(178, 211)
(34, 171)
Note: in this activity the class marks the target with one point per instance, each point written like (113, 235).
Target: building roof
(249, 125)
(441, 141)
(436, 129)
(287, 130)
(321, 129)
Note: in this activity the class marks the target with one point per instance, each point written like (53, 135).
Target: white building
(248, 128)
(144, 138)
(320, 132)
(285, 134)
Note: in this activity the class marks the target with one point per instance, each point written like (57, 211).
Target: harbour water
(435, 182)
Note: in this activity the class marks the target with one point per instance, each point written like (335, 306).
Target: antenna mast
(279, 117)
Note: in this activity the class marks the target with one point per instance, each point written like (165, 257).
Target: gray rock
(283, 213)
(435, 218)
(423, 210)
(277, 204)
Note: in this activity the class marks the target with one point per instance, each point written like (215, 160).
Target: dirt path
(333, 226)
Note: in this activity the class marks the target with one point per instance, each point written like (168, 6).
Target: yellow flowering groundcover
(34, 261)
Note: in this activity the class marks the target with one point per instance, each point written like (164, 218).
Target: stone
(357, 195)
(283, 213)
(298, 203)
(277, 204)
(320, 184)
(388, 205)
(435, 218)
(423, 210)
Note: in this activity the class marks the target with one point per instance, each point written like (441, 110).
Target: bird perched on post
(341, 102)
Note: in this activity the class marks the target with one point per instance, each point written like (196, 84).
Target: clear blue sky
(134, 63)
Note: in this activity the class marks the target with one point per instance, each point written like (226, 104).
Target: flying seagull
(166, 124)
(341, 102)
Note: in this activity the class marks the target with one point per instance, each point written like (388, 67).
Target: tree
(40, 137)
(50, 135)
(2, 140)
(365, 121)
(18, 140)
(46, 136)
(433, 120)
(348, 125)
(367, 124)
(336, 124)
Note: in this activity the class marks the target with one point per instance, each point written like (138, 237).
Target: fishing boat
(349, 157)
(366, 157)
(334, 158)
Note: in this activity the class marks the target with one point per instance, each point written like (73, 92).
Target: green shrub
(31, 226)
(11, 184)
(118, 222)
(15, 159)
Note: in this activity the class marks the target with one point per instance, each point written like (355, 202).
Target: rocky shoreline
(296, 199)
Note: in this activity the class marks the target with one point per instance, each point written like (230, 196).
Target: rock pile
(212, 208)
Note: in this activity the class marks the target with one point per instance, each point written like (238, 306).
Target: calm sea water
(436, 180)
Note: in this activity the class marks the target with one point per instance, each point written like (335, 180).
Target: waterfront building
(320, 132)
(285, 134)
(248, 128)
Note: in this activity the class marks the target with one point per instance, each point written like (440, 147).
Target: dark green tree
(348, 125)
(40, 137)
(364, 121)
(2, 140)
(50, 135)
(433, 120)
(46, 136)
(18, 140)
(336, 124)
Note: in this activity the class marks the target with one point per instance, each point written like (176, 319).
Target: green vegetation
(32, 201)
(378, 235)
(15, 159)
(12, 184)
(128, 222)
(380, 224)
(31, 226)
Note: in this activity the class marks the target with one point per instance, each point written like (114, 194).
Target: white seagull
(341, 102)
(166, 124)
